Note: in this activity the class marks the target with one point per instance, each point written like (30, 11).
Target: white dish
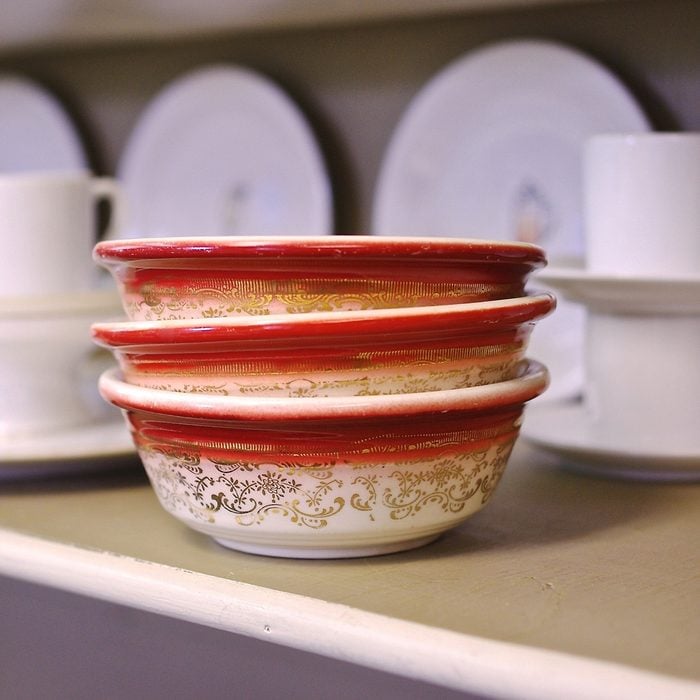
(563, 430)
(79, 449)
(224, 151)
(36, 134)
(626, 293)
(492, 148)
(97, 302)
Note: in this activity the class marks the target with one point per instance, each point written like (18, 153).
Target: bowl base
(338, 552)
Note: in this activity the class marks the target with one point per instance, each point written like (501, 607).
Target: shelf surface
(37, 23)
(559, 571)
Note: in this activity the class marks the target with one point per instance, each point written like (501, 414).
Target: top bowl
(189, 278)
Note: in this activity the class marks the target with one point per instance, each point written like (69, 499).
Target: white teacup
(48, 227)
(48, 364)
(643, 380)
(642, 203)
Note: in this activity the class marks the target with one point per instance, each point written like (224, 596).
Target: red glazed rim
(138, 251)
(356, 326)
(531, 382)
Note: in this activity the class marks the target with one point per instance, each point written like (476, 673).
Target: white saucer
(224, 151)
(94, 302)
(35, 131)
(492, 148)
(626, 293)
(562, 429)
(85, 448)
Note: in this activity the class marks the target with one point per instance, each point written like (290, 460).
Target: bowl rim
(531, 382)
(139, 251)
(448, 319)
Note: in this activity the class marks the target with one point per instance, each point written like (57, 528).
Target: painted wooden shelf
(563, 586)
(38, 23)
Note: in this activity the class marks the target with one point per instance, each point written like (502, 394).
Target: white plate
(491, 148)
(35, 131)
(85, 448)
(627, 293)
(563, 430)
(223, 151)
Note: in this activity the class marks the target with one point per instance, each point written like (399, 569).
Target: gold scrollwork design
(210, 298)
(313, 495)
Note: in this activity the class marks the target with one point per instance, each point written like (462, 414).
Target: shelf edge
(413, 650)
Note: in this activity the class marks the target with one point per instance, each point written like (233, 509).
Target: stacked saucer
(51, 417)
(323, 397)
(639, 416)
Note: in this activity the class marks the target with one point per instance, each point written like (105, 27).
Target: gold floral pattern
(248, 493)
(211, 298)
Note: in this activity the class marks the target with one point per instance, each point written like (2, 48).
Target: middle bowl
(330, 354)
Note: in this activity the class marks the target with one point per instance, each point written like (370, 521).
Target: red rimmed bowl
(333, 477)
(188, 278)
(330, 354)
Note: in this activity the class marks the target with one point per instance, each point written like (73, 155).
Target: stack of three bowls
(328, 397)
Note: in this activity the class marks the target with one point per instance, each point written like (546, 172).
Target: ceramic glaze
(213, 277)
(48, 226)
(328, 478)
(337, 354)
(642, 204)
(48, 366)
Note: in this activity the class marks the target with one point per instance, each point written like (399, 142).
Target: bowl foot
(337, 552)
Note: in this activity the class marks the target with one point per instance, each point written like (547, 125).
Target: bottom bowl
(343, 477)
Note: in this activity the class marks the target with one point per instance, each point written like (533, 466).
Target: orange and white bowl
(385, 351)
(331, 477)
(189, 278)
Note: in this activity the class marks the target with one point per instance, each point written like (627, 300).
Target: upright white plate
(35, 131)
(223, 151)
(491, 148)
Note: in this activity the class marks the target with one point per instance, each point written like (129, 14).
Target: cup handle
(108, 189)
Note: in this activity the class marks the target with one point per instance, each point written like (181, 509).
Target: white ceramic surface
(642, 204)
(491, 147)
(224, 151)
(36, 133)
(48, 364)
(642, 375)
(48, 228)
(98, 446)
(626, 294)
(564, 430)
(643, 379)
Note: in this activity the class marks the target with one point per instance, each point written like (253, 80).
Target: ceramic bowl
(187, 278)
(48, 363)
(330, 354)
(332, 477)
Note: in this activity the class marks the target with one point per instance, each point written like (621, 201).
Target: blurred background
(352, 68)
